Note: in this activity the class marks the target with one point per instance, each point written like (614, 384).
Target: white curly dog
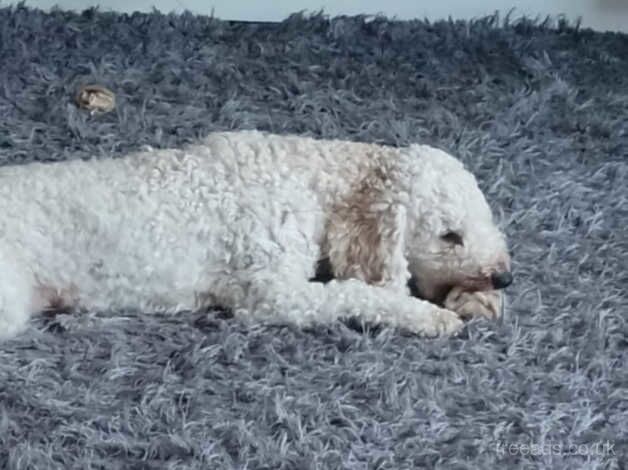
(241, 220)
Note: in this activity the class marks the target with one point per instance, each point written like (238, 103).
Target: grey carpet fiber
(539, 110)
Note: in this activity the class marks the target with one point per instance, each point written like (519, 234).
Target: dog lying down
(241, 220)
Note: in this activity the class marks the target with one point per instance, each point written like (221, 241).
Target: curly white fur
(241, 220)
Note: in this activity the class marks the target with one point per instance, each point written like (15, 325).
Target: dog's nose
(501, 280)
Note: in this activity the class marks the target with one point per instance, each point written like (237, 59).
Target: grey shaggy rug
(538, 110)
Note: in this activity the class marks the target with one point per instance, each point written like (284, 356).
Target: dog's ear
(366, 236)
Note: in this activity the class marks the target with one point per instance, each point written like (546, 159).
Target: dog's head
(418, 213)
(451, 239)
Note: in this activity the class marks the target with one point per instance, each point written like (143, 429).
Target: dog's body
(238, 220)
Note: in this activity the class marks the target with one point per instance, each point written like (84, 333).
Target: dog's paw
(436, 322)
(475, 304)
(446, 322)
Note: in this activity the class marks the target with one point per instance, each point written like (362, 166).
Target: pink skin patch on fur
(48, 299)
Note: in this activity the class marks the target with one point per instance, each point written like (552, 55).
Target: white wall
(598, 14)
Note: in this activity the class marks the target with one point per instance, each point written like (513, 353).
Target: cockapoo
(241, 220)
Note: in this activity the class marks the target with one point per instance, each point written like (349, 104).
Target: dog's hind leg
(16, 298)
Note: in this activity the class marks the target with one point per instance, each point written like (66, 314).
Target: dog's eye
(453, 237)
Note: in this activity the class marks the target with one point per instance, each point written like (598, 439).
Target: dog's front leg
(281, 299)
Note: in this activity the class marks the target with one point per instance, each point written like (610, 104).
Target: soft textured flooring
(538, 111)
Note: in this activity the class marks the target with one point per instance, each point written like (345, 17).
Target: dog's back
(152, 228)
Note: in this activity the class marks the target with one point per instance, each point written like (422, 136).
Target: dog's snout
(501, 279)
